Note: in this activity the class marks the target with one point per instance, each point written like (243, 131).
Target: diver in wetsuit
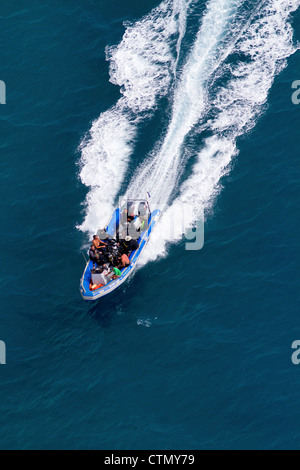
(96, 256)
(128, 245)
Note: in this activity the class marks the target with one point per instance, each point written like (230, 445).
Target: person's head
(95, 237)
(92, 248)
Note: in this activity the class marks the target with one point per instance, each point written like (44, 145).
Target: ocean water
(190, 100)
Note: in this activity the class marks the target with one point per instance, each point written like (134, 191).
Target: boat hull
(85, 291)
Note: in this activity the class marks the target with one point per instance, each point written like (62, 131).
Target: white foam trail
(267, 44)
(161, 173)
(104, 160)
(183, 7)
(197, 194)
(143, 65)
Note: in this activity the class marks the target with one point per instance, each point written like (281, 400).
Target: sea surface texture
(190, 100)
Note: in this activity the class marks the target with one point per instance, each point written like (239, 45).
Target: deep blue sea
(191, 100)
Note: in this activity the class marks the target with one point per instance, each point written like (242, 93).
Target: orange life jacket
(97, 287)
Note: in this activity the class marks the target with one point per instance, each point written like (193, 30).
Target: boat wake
(143, 65)
(219, 93)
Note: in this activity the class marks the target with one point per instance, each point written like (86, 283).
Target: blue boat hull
(89, 295)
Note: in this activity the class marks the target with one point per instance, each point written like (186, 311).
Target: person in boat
(142, 209)
(96, 256)
(128, 245)
(116, 273)
(112, 274)
(124, 261)
(99, 244)
(134, 245)
(141, 224)
(130, 212)
(102, 248)
(127, 216)
(93, 254)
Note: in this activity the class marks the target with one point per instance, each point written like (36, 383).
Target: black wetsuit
(93, 255)
(97, 257)
(128, 247)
